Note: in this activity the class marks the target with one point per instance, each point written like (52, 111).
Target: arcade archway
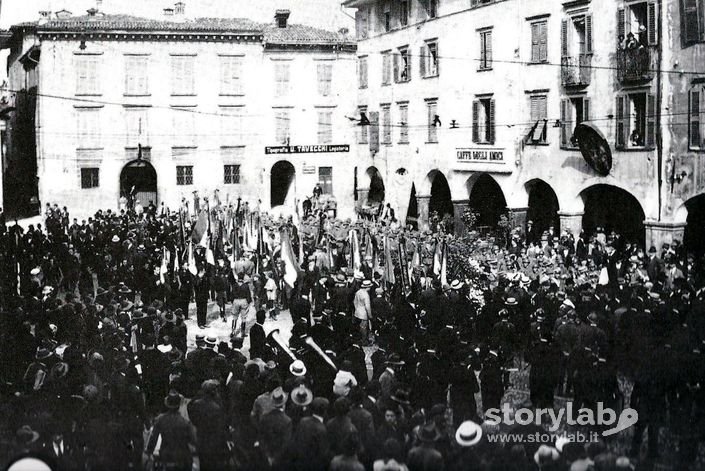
(138, 181)
(487, 201)
(543, 206)
(613, 209)
(282, 179)
(376, 189)
(694, 237)
(440, 201)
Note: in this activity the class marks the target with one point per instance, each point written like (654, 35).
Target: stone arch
(485, 196)
(614, 209)
(542, 206)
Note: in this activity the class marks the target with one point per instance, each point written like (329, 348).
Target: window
(386, 125)
(281, 127)
(695, 118)
(637, 23)
(403, 123)
(88, 75)
(231, 124)
(402, 65)
(231, 174)
(184, 127)
(538, 117)
(324, 75)
(362, 22)
(136, 127)
(432, 8)
(282, 72)
(483, 121)
(325, 127)
(486, 50)
(539, 42)
(429, 59)
(574, 111)
(387, 16)
(692, 30)
(182, 75)
(403, 12)
(88, 128)
(89, 178)
(362, 72)
(636, 120)
(432, 119)
(576, 36)
(363, 136)
(325, 178)
(136, 75)
(184, 174)
(386, 67)
(230, 75)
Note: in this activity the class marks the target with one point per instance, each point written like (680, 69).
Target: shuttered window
(538, 118)
(696, 112)
(386, 125)
(431, 113)
(231, 75)
(483, 121)
(136, 75)
(324, 77)
(281, 127)
(88, 74)
(136, 126)
(362, 22)
(282, 73)
(325, 127)
(485, 50)
(386, 67)
(88, 128)
(404, 123)
(636, 120)
(691, 21)
(573, 112)
(363, 130)
(362, 71)
(183, 75)
(325, 178)
(428, 59)
(539, 42)
(402, 65)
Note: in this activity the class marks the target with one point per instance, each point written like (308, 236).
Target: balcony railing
(575, 70)
(635, 65)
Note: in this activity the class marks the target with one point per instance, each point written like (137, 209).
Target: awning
(594, 147)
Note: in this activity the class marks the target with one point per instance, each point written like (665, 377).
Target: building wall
(59, 140)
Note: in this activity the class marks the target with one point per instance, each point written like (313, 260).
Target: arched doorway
(543, 207)
(440, 201)
(376, 191)
(694, 237)
(613, 209)
(138, 181)
(283, 177)
(487, 201)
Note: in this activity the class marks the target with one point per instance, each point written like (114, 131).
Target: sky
(325, 14)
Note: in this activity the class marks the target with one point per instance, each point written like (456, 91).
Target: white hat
(35, 271)
(468, 434)
(297, 368)
(456, 284)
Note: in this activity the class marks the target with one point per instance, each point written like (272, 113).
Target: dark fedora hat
(172, 400)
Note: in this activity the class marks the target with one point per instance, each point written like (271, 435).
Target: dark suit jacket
(311, 448)
(275, 430)
(257, 341)
(338, 429)
(655, 268)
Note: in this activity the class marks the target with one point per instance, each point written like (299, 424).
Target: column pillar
(659, 232)
(422, 202)
(459, 207)
(517, 218)
(572, 221)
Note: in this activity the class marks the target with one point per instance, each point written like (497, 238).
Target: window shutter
(374, 131)
(488, 48)
(535, 56)
(565, 125)
(651, 20)
(694, 136)
(491, 130)
(543, 41)
(588, 34)
(691, 30)
(621, 128)
(621, 25)
(650, 120)
(396, 58)
(438, 58)
(423, 57)
(475, 121)
(586, 109)
(533, 114)
(564, 38)
(701, 119)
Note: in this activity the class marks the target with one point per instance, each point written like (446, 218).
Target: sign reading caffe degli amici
(480, 154)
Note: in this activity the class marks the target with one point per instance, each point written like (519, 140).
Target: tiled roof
(292, 34)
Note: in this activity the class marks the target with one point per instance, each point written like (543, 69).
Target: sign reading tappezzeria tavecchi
(480, 154)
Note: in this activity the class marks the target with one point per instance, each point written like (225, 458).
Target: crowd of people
(392, 362)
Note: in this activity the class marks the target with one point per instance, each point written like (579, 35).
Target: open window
(636, 121)
(483, 121)
(574, 110)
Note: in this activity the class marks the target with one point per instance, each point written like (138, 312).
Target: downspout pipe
(659, 100)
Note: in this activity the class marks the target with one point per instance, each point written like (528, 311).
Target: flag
(200, 231)
(210, 259)
(182, 236)
(191, 260)
(237, 250)
(164, 268)
(437, 258)
(291, 267)
(444, 265)
(403, 273)
(415, 260)
(177, 278)
(355, 261)
(329, 253)
(388, 264)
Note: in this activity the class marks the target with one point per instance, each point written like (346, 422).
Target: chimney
(44, 16)
(179, 8)
(281, 17)
(168, 12)
(92, 11)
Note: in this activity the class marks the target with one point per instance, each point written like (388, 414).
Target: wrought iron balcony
(635, 65)
(575, 70)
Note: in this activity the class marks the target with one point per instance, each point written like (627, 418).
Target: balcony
(575, 70)
(636, 65)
